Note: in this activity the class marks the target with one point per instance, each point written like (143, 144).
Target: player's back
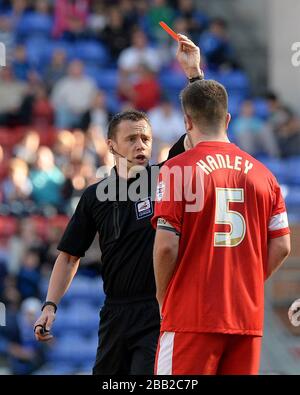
(219, 281)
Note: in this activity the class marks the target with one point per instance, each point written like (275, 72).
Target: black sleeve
(178, 148)
(81, 229)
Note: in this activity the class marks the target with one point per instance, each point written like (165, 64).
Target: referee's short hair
(206, 102)
(131, 115)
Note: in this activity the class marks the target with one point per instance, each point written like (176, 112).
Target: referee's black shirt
(126, 237)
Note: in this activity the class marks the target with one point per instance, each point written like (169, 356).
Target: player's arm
(279, 249)
(62, 275)
(164, 257)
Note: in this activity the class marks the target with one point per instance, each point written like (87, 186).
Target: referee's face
(134, 142)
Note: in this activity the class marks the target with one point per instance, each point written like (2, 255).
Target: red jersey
(218, 283)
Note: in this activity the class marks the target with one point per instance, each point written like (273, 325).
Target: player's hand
(294, 313)
(43, 324)
(188, 56)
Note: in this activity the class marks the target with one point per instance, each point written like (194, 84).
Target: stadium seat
(234, 81)
(34, 24)
(277, 167)
(261, 108)
(172, 81)
(292, 198)
(73, 349)
(91, 52)
(8, 226)
(37, 51)
(292, 170)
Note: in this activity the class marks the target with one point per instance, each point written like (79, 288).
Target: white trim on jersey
(279, 221)
(165, 355)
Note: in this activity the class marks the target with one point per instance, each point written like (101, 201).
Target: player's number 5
(224, 216)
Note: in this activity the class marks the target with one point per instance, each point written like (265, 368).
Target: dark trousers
(128, 335)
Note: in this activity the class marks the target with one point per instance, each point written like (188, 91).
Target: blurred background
(71, 64)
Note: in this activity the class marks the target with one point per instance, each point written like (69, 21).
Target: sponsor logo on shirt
(143, 208)
(160, 191)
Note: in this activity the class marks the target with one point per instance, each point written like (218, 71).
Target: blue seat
(34, 24)
(293, 170)
(235, 81)
(292, 198)
(80, 318)
(277, 167)
(91, 52)
(261, 108)
(172, 81)
(75, 350)
(234, 104)
(38, 51)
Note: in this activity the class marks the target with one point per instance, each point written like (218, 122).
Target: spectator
(252, 134)
(97, 19)
(215, 45)
(116, 34)
(289, 135)
(7, 36)
(17, 186)
(196, 21)
(139, 52)
(12, 98)
(167, 122)
(24, 238)
(72, 96)
(28, 147)
(24, 354)
(28, 278)
(42, 111)
(159, 11)
(70, 17)
(98, 115)
(47, 179)
(56, 69)
(63, 148)
(20, 64)
(144, 93)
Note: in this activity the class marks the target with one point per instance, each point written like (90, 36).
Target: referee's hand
(43, 324)
(188, 56)
(294, 313)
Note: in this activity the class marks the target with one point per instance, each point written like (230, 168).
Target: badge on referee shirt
(143, 208)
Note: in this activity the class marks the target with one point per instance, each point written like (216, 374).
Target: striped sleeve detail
(165, 225)
(278, 225)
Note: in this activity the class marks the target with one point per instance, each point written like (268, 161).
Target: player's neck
(197, 137)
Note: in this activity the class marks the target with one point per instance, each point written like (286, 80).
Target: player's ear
(228, 119)
(188, 122)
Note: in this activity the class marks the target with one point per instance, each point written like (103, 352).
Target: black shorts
(128, 336)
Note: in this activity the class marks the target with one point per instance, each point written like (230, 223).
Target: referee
(129, 320)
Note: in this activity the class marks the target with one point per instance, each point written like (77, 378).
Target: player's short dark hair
(132, 115)
(206, 102)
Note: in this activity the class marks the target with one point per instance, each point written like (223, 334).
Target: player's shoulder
(182, 159)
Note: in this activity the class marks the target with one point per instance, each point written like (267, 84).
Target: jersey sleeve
(278, 223)
(80, 231)
(169, 203)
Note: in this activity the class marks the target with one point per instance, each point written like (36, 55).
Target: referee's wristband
(198, 78)
(49, 303)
